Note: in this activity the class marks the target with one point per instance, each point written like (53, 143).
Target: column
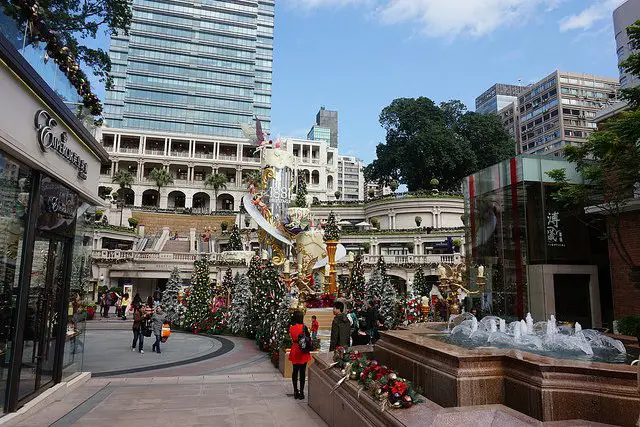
(117, 143)
(217, 150)
(115, 169)
(140, 170)
(114, 166)
(238, 176)
(142, 145)
(137, 199)
(191, 147)
(239, 152)
(169, 149)
(166, 146)
(188, 200)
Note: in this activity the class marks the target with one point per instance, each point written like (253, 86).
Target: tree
(381, 267)
(216, 181)
(374, 287)
(420, 286)
(173, 308)
(240, 306)
(267, 295)
(124, 179)
(331, 230)
(235, 240)
(162, 178)
(227, 285)
(393, 185)
(631, 65)
(301, 193)
(357, 287)
(254, 277)
(389, 305)
(426, 141)
(200, 294)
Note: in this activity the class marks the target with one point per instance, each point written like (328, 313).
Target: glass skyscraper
(201, 67)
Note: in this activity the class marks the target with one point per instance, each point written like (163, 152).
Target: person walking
(138, 318)
(298, 357)
(149, 307)
(372, 319)
(106, 302)
(137, 300)
(157, 320)
(124, 307)
(315, 326)
(340, 327)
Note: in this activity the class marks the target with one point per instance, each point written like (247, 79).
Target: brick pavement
(238, 388)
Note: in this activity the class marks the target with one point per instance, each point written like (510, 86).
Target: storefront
(49, 167)
(539, 257)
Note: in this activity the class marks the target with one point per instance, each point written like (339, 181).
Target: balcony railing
(180, 154)
(154, 152)
(226, 157)
(129, 150)
(415, 259)
(251, 159)
(203, 155)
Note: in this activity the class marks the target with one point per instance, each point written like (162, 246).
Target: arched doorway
(315, 178)
(151, 198)
(399, 283)
(225, 202)
(129, 196)
(176, 199)
(201, 203)
(330, 182)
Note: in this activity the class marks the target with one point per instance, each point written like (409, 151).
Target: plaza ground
(235, 387)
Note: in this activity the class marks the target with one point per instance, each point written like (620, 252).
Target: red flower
(399, 387)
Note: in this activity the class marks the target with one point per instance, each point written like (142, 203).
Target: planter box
(286, 367)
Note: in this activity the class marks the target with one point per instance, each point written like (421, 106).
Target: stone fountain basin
(542, 387)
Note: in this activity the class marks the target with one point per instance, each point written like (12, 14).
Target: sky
(357, 56)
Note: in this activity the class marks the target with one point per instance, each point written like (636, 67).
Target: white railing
(129, 150)
(203, 155)
(415, 259)
(251, 159)
(224, 157)
(154, 152)
(179, 154)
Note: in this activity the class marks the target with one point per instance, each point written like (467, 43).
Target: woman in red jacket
(297, 357)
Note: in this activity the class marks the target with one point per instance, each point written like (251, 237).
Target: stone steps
(154, 222)
(324, 316)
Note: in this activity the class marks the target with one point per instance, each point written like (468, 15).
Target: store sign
(49, 141)
(554, 232)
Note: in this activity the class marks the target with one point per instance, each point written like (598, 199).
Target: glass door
(44, 315)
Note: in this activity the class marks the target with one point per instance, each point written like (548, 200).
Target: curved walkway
(108, 352)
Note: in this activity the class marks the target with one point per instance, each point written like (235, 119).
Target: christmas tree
(173, 308)
(227, 285)
(240, 306)
(235, 241)
(389, 308)
(357, 284)
(267, 296)
(374, 287)
(421, 287)
(200, 294)
(301, 193)
(331, 229)
(381, 267)
(280, 328)
(254, 277)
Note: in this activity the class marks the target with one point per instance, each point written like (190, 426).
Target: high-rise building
(560, 110)
(510, 121)
(625, 15)
(329, 119)
(200, 68)
(319, 133)
(497, 97)
(350, 178)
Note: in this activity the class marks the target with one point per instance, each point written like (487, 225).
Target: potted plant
(457, 244)
(375, 222)
(371, 194)
(338, 194)
(91, 311)
(418, 220)
(247, 222)
(224, 225)
(366, 246)
(393, 185)
(99, 213)
(434, 185)
(133, 222)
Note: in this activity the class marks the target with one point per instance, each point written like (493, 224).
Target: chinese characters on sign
(554, 233)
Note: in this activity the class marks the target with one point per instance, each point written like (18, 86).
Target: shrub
(629, 325)
(418, 220)
(224, 225)
(133, 222)
(375, 222)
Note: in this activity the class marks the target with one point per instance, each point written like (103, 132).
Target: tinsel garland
(29, 11)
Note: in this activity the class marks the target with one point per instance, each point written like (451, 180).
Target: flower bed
(325, 301)
(381, 382)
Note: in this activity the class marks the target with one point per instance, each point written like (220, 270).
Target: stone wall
(154, 222)
(626, 296)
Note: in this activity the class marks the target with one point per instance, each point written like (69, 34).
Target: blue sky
(356, 56)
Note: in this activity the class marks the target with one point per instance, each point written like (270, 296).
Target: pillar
(137, 198)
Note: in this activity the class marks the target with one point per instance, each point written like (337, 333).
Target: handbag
(166, 330)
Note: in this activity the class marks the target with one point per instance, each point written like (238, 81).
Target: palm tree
(124, 179)
(162, 178)
(216, 181)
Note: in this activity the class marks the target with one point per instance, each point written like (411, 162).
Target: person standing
(298, 357)
(372, 319)
(106, 302)
(340, 327)
(124, 305)
(138, 317)
(75, 307)
(137, 300)
(315, 326)
(157, 320)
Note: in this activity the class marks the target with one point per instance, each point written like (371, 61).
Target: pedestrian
(157, 320)
(124, 307)
(340, 327)
(371, 317)
(149, 307)
(157, 296)
(353, 318)
(314, 327)
(118, 304)
(361, 337)
(137, 300)
(75, 307)
(299, 357)
(139, 316)
(106, 302)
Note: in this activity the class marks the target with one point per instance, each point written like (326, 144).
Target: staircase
(324, 317)
(174, 246)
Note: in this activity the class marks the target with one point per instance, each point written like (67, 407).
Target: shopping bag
(166, 331)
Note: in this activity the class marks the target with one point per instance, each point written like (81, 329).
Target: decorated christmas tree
(381, 267)
(267, 296)
(173, 308)
(227, 285)
(331, 229)
(301, 193)
(235, 240)
(421, 287)
(254, 277)
(240, 306)
(389, 308)
(374, 287)
(280, 328)
(357, 287)
(200, 294)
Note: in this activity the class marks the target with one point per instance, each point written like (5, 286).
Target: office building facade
(350, 178)
(193, 68)
(329, 119)
(319, 133)
(625, 15)
(560, 109)
(497, 97)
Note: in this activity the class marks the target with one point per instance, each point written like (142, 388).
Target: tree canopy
(426, 141)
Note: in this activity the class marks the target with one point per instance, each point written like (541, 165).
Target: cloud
(449, 18)
(312, 4)
(599, 10)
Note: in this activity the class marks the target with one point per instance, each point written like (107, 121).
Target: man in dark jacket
(340, 327)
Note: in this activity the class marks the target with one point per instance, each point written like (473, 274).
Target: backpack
(304, 340)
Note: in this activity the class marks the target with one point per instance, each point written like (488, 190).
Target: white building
(350, 178)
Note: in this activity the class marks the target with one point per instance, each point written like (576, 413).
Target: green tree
(200, 295)
(162, 178)
(420, 286)
(301, 193)
(216, 181)
(632, 65)
(235, 240)
(426, 141)
(357, 285)
(331, 229)
(65, 28)
(254, 277)
(267, 295)
(226, 287)
(124, 179)
(240, 306)
(172, 307)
